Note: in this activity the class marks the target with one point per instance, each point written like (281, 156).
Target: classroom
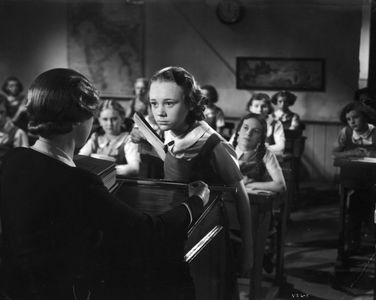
(237, 135)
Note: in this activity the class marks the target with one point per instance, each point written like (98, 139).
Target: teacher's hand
(200, 189)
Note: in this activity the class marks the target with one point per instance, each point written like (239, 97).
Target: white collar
(365, 135)
(279, 113)
(184, 141)
(46, 147)
(103, 141)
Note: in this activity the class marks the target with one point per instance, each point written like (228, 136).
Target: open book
(150, 134)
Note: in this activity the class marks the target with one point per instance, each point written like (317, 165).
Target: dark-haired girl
(13, 89)
(357, 140)
(283, 100)
(258, 165)
(275, 137)
(194, 149)
(213, 114)
(10, 135)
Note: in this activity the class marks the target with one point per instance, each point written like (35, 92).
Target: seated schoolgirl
(194, 149)
(358, 137)
(139, 103)
(283, 100)
(357, 140)
(213, 114)
(13, 89)
(53, 213)
(275, 138)
(259, 166)
(112, 142)
(10, 135)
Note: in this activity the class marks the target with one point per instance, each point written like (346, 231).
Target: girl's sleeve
(227, 167)
(20, 139)
(131, 151)
(132, 155)
(220, 119)
(295, 122)
(339, 144)
(342, 140)
(87, 149)
(274, 169)
(226, 163)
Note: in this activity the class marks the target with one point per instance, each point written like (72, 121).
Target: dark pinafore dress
(254, 170)
(198, 168)
(182, 170)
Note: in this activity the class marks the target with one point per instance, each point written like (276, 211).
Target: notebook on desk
(365, 160)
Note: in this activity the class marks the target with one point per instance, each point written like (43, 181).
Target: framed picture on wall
(266, 73)
(105, 43)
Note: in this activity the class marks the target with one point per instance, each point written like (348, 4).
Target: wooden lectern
(208, 249)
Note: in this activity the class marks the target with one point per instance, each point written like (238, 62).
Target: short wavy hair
(112, 104)
(59, 98)
(12, 78)
(192, 93)
(364, 110)
(212, 92)
(290, 97)
(259, 97)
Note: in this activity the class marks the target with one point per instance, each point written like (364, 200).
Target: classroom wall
(188, 33)
(197, 40)
(33, 38)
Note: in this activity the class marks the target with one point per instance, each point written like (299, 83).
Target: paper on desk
(259, 192)
(365, 159)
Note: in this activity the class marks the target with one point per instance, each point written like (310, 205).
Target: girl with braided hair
(194, 149)
(259, 166)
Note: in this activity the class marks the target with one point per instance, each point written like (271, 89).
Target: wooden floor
(311, 250)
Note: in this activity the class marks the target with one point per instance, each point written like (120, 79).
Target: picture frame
(272, 73)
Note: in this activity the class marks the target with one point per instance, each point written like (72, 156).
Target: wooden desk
(211, 266)
(350, 168)
(354, 174)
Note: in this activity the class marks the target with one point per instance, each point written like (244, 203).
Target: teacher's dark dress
(52, 217)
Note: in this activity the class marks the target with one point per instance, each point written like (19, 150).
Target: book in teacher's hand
(104, 168)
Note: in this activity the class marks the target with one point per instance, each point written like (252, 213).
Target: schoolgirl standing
(194, 149)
